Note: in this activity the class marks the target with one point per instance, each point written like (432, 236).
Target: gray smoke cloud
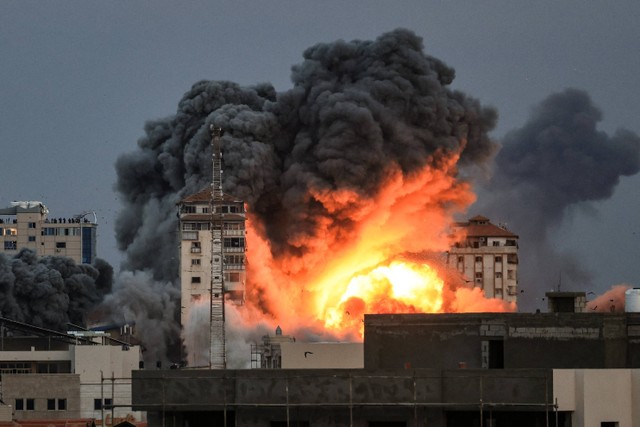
(355, 109)
(557, 160)
(50, 292)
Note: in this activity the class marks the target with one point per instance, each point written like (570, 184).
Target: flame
(399, 287)
(358, 260)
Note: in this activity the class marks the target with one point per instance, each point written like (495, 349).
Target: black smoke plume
(50, 292)
(355, 110)
(557, 160)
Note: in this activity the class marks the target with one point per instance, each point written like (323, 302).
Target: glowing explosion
(383, 264)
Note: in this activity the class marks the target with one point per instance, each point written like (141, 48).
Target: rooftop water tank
(632, 300)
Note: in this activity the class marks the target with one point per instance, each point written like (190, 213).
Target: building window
(511, 274)
(510, 242)
(61, 245)
(51, 404)
(62, 404)
(232, 277)
(195, 279)
(99, 404)
(498, 274)
(1, 231)
(19, 404)
(188, 209)
(205, 210)
(479, 275)
(609, 424)
(31, 404)
(195, 261)
(195, 247)
(32, 238)
(234, 259)
(32, 225)
(496, 243)
(498, 259)
(478, 259)
(189, 235)
(234, 242)
(234, 226)
(10, 245)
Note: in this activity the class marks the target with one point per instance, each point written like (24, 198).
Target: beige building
(199, 253)
(284, 352)
(599, 397)
(487, 257)
(28, 225)
(54, 378)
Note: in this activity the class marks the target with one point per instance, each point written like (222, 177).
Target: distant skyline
(79, 80)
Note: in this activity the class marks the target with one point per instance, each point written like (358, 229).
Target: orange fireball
(358, 260)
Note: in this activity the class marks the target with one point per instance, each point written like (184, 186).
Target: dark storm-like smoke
(355, 109)
(50, 292)
(557, 160)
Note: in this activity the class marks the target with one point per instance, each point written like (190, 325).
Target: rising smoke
(356, 112)
(50, 292)
(557, 160)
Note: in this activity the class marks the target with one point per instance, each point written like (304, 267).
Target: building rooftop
(480, 226)
(204, 195)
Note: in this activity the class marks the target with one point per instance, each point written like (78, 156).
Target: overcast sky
(78, 80)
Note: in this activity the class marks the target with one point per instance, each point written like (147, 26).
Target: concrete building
(486, 257)
(284, 352)
(489, 369)
(50, 375)
(196, 238)
(28, 225)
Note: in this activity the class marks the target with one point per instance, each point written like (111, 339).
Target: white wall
(297, 355)
(598, 395)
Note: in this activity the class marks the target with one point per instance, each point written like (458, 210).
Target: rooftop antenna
(217, 351)
(559, 280)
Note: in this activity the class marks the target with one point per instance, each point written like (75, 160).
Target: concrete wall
(257, 397)
(297, 355)
(599, 395)
(542, 340)
(41, 387)
(105, 373)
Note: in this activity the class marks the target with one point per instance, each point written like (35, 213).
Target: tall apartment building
(488, 257)
(27, 225)
(198, 252)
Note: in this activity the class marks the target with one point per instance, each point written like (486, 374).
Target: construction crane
(217, 351)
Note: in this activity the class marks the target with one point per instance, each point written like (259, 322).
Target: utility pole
(217, 351)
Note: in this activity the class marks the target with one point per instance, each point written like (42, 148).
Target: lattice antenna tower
(217, 351)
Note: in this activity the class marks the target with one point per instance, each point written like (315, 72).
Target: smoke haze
(357, 112)
(359, 115)
(50, 292)
(557, 160)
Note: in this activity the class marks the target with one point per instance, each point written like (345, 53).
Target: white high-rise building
(487, 256)
(196, 252)
(28, 225)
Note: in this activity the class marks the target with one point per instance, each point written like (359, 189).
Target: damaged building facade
(498, 369)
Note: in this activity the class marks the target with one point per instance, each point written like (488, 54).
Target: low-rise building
(491, 369)
(50, 375)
